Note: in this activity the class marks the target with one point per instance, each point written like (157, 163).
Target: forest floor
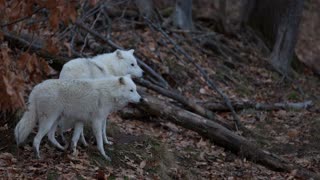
(157, 149)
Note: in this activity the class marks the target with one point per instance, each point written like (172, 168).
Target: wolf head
(128, 63)
(128, 90)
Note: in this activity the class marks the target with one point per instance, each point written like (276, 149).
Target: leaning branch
(200, 69)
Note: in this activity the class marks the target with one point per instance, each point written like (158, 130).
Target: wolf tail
(26, 124)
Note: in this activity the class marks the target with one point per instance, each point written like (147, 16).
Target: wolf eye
(132, 64)
(131, 90)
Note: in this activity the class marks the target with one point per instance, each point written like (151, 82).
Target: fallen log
(213, 106)
(194, 107)
(220, 136)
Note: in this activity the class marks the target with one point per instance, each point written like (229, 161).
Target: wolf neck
(107, 62)
(107, 89)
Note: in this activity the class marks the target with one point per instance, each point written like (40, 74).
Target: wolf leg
(78, 128)
(96, 128)
(52, 138)
(62, 136)
(44, 126)
(83, 140)
(61, 130)
(104, 132)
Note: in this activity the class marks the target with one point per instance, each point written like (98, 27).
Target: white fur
(87, 100)
(102, 65)
(117, 63)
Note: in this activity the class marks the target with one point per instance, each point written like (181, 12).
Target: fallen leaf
(143, 164)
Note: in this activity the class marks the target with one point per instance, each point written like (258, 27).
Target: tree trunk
(145, 7)
(182, 17)
(278, 22)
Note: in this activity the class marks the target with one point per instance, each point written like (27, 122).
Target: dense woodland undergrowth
(189, 76)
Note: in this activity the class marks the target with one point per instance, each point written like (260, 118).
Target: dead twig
(21, 19)
(92, 26)
(55, 61)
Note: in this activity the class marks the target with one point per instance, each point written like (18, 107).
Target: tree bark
(182, 17)
(278, 22)
(220, 135)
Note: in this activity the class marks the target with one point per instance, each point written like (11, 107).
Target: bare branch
(86, 37)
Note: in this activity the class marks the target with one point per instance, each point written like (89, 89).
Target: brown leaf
(143, 164)
(293, 133)
(9, 89)
(54, 19)
(50, 4)
(1, 36)
(15, 13)
(23, 60)
(68, 46)
(51, 46)
(2, 4)
(100, 175)
(93, 2)
(72, 12)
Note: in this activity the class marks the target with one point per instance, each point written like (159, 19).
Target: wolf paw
(75, 152)
(37, 154)
(106, 141)
(107, 158)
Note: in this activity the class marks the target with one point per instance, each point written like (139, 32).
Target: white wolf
(118, 63)
(78, 100)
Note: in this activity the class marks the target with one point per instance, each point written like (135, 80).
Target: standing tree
(182, 17)
(278, 22)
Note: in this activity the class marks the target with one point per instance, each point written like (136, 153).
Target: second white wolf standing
(79, 101)
(117, 63)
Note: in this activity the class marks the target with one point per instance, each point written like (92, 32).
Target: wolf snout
(141, 100)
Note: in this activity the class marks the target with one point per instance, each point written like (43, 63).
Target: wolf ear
(118, 54)
(131, 51)
(121, 81)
